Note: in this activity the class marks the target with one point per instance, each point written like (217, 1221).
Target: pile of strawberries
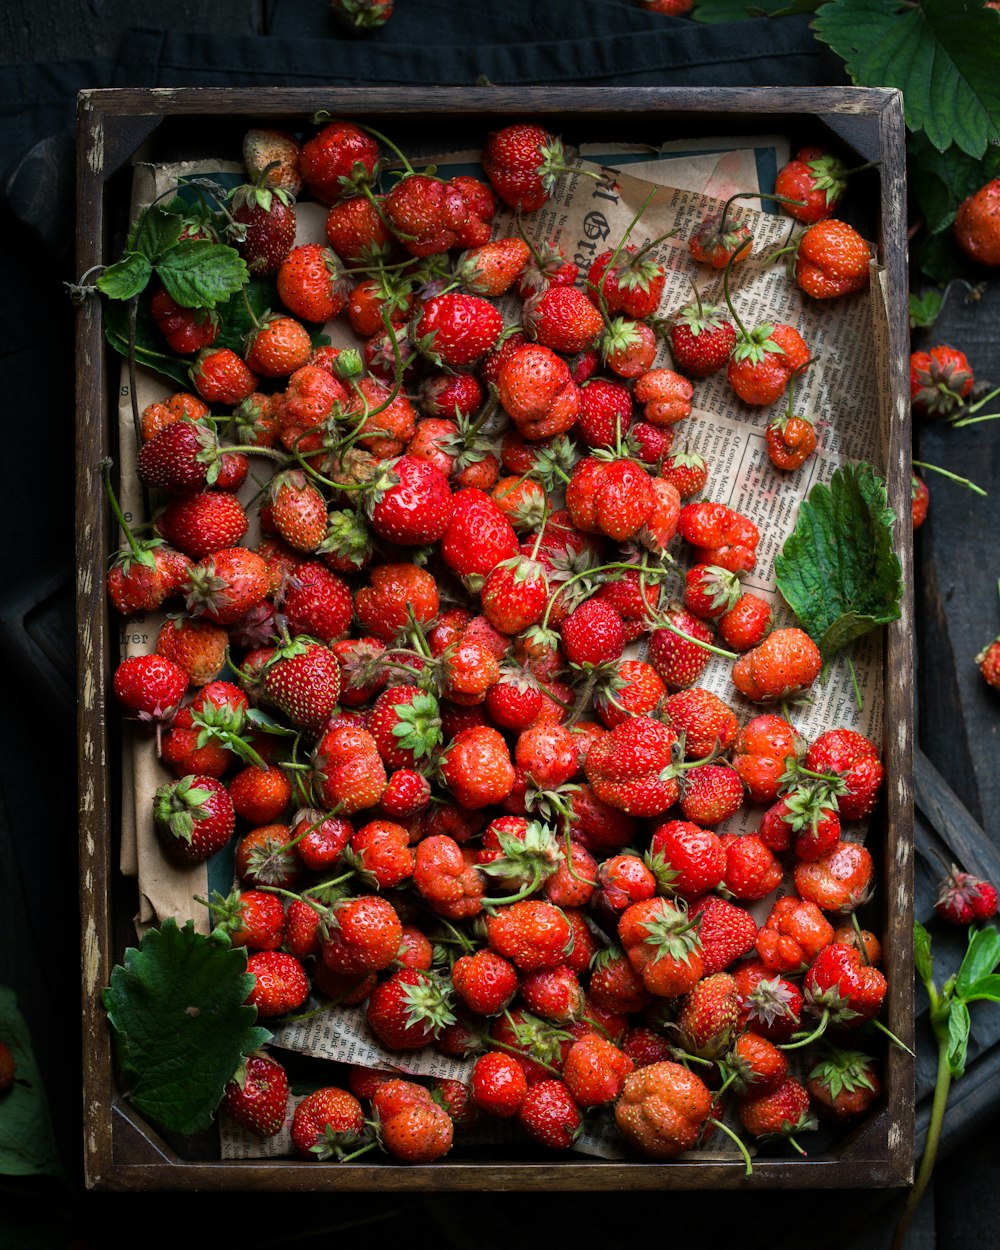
(447, 709)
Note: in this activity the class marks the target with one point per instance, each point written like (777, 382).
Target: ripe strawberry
(337, 160)
(720, 535)
(514, 700)
(407, 1010)
(634, 690)
(838, 880)
(562, 318)
(363, 934)
(662, 945)
(456, 328)
(701, 338)
(791, 440)
(199, 647)
(554, 994)
(763, 361)
(920, 497)
(187, 330)
(260, 795)
(784, 665)
(628, 347)
(633, 284)
(686, 859)
(605, 413)
(446, 878)
(746, 624)
(420, 1133)
(726, 932)
(498, 1084)
(770, 1004)
(523, 163)
(711, 794)
(263, 857)
(477, 768)
(493, 268)
(610, 497)
(484, 981)
(989, 664)
(537, 391)
(815, 176)
(281, 984)
(940, 381)
(221, 377)
(348, 770)
(179, 458)
(410, 503)
(708, 1017)
(478, 536)
(831, 259)
(593, 634)
(383, 607)
(842, 987)
(226, 585)
(977, 224)
(318, 603)
(257, 1096)
(311, 283)
(679, 661)
(595, 1070)
(802, 816)
(380, 853)
(362, 14)
(326, 1122)
(720, 239)
(265, 216)
(298, 510)
(142, 580)
(781, 1112)
(844, 1084)
(150, 687)
(793, 935)
(624, 767)
(766, 745)
(709, 591)
(662, 1109)
(856, 761)
(302, 680)
(277, 346)
(624, 880)
(752, 871)
(549, 1115)
(194, 817)
(174, 408)
(757, 1064)
(530, 934)
(686, 470)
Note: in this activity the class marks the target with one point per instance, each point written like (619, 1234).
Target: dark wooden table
(958, 728)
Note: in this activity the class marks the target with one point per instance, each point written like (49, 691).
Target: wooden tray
(121, 1151)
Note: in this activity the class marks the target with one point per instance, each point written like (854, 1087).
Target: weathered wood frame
(124, 1153)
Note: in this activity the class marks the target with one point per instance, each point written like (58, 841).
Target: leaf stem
(962, 481)
(942, 1088)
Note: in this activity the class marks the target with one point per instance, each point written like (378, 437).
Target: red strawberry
(337, 160)
(326, 1123)
(281, 984)
(362, 935)
(662, 1109)
(311, 283)
(257, 1096)
(318, 603)
(940, 381)
(199, 647)
(746, 624)
(202, 523)
(624, 767)
(720, 535)
(856, 761)
(726, 932)
(493, 268)
(477, 768)
(194, 816)
(815, 176)
(537, 391)
(563, 318)
(763, 361)
(612, 497)
(964, 899)
(407, 1010)
(150, 686)
(395, 591)
(679, 661)
(842, 987)
(523, 163)
(632, 285)
(498, 1084)
(420, 1133)
(266, 217)
(752, 871)
(781, 1112)
(187, 330)
(711, 794)
(920, 500)
(349, 772)
(478, 536)
(410, 503)
(701, 338)
(831, 260)
(844, 1084)
(793, 934)
(686, 859)
(785, 664)
(595, 1070)
(709, 1016)
(455, 329)
(975, 227)
(142, 580)
(226, 585)
(720, 239)
(222, 377)
(686, 470)
(179, 458)
(277, 346)
(549, 1115)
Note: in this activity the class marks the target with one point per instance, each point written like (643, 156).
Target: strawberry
(277, 346)
(634, 690)
(805, 813)
(784, 665)
(623, 767)
(498, 1084)
(831, 259)
(199, 647)
(624, 880)
(362, 935)
(709, 591)
(478, 536)
(260, 795)
(661, 943)
(362, 15)
(384, 606)
(752, 871)
(226, 585)
(187, 330)
(407, 1010)
(562, 318)
(530, 934)
(746, 624)
(611, 497)
(964, 899)
(174, 408)
(720, 240)
(515, 699)
(326, 1122)
(221, 377)
(201, 523)
(595, 1070)
(920, 498)
(686, 470)
(662, 1109)
(446, 878)
(318, 603)
(977, 224)
(665, 396)
(420, 1133)
(554, 994)
(484, 981)
(856, 762)
(250, 918)
(842, 987)
(838, 880)
(523, 163)
(549, 1115)
(793, 934)
(380, 853)
(763, 360)
(770, 1004)
(711, 794)
(280, 986)
(257, 1096)
(311, 283)
(633, 284)
(764, 748)
(494, 267)
(272, 156)
(701, 338)
(815, 176)
(318, 841)
(302, 680)
(405, 724)
(337, 160)
(537, 392)
(708, 1016)
(150, 687)
(456, 329)
(686, 859)
(356, 231)
(179, 458)
(844, 1084)
(726, 932)
(758, 1066)
(410, 503)
(605, 413)
(263, 858)
(265, 218)
(780, 1112)
(426, 214)
(628, 347)
(791, 440)
(679, 661)
(143, 578)
(940, 381)
(477, 768)
(720, 535)
(593, 634)
(348, 771)
(194, 817)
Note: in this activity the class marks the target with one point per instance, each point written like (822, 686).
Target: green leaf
(182, 1026)
(942, 56)
(939, 182)
(126, 277)
(985, 988)
(922, 953)
(27, 1146)
(158, 229)
(981, 957)
(837, 569)
(925, 309)
(200, 274)
(150, 348)
(959, 1025)
(234, 320)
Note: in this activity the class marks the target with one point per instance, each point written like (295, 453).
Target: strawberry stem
(116, 509)
(747, 1164)
(942, 1088)
(725, 288)
(962, 481)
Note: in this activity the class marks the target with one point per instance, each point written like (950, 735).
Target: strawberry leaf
(922, 953)
(939, 182)
(837, 569)
(941, 56)
(200, 274)
(981, 957)
(959, 1025)
(27, 1146)
(150, 348)
(157, 230)
(126, 277)
(985, 988)
(181, 1024)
